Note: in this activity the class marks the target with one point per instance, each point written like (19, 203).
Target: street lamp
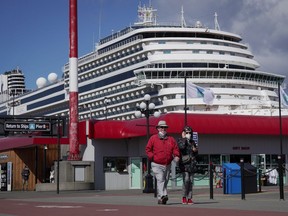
(147, 109)
(44, 163)
(106, 102)
(11, 93)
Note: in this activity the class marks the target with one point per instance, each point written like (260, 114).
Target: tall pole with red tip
(73, 85)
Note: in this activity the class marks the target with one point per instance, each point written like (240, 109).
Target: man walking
(161, 149)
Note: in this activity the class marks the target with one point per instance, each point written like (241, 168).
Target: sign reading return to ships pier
(27, 126)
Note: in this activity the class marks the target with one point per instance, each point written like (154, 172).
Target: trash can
(250, 178)
(232, 178)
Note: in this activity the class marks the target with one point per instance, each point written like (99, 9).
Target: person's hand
(194, 149)
(176, 159)
(183, 134)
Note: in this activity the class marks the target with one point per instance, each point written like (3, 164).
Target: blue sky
(34, 33)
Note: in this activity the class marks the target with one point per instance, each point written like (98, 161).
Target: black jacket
(185, 147)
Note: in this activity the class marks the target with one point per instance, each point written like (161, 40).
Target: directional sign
(27, 126)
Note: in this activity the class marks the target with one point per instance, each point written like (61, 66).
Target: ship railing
(145, 74)
(115, 35)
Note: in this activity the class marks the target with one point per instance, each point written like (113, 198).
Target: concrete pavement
(128, 202)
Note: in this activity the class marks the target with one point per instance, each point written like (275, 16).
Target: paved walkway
(134, 202)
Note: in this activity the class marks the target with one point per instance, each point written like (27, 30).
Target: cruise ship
(178, 66)
(155, 59)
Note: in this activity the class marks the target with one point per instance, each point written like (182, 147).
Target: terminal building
(113, 152)
(244, 117)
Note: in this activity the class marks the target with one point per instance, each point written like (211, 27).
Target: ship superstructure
(149, 58)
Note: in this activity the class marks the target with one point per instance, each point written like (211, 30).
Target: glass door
(135, 173)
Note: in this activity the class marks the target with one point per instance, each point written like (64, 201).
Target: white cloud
(261, 23)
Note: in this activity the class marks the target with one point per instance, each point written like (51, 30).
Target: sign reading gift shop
(27, 126)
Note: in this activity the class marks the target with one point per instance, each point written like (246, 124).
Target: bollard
(259, 180)
(211, 180)
(224, 181)
(242, 179)
(280, 168)
(155, 189)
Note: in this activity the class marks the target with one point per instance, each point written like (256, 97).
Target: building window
(203, 163)
(115, 164)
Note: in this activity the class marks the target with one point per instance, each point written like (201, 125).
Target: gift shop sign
(240, 148)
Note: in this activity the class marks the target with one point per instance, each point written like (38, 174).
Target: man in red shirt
(161, 149)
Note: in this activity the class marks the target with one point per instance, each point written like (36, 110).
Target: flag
(283, 97)
(194, 91)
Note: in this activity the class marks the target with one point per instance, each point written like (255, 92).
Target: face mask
(188, 136)
(162, 134)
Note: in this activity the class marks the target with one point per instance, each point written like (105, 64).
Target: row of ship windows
(114, 111)
(110, 91)
(210, 52)
(197, 65)
(109, 102)
(119, 44)
(202, 42)
(42, 94)
(243, 97)
(115, 35)
(105, 111)
(129, 51)
(107, 82)
(132, 50)
(137, 48)
(106, 70)
(88, 57)
(109, 69)
(103, 114)
(110, 58)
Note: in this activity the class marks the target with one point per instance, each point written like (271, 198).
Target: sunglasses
(163, 127)
(188, 132)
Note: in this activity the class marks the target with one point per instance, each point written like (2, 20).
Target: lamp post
(281, 156)
(106, 102)
(242, 179)
(185, 98)
(11, 93)
(147, 109)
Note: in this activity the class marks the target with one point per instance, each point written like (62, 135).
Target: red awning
(201, 123)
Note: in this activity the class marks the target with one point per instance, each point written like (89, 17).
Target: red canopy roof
(201, 123)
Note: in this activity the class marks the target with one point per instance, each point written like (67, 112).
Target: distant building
(12, 82)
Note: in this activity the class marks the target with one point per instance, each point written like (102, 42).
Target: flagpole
(280, 119)
(185, 96)
(280, 157)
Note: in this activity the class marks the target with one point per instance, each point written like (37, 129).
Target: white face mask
(162, 134)
(188, 136)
